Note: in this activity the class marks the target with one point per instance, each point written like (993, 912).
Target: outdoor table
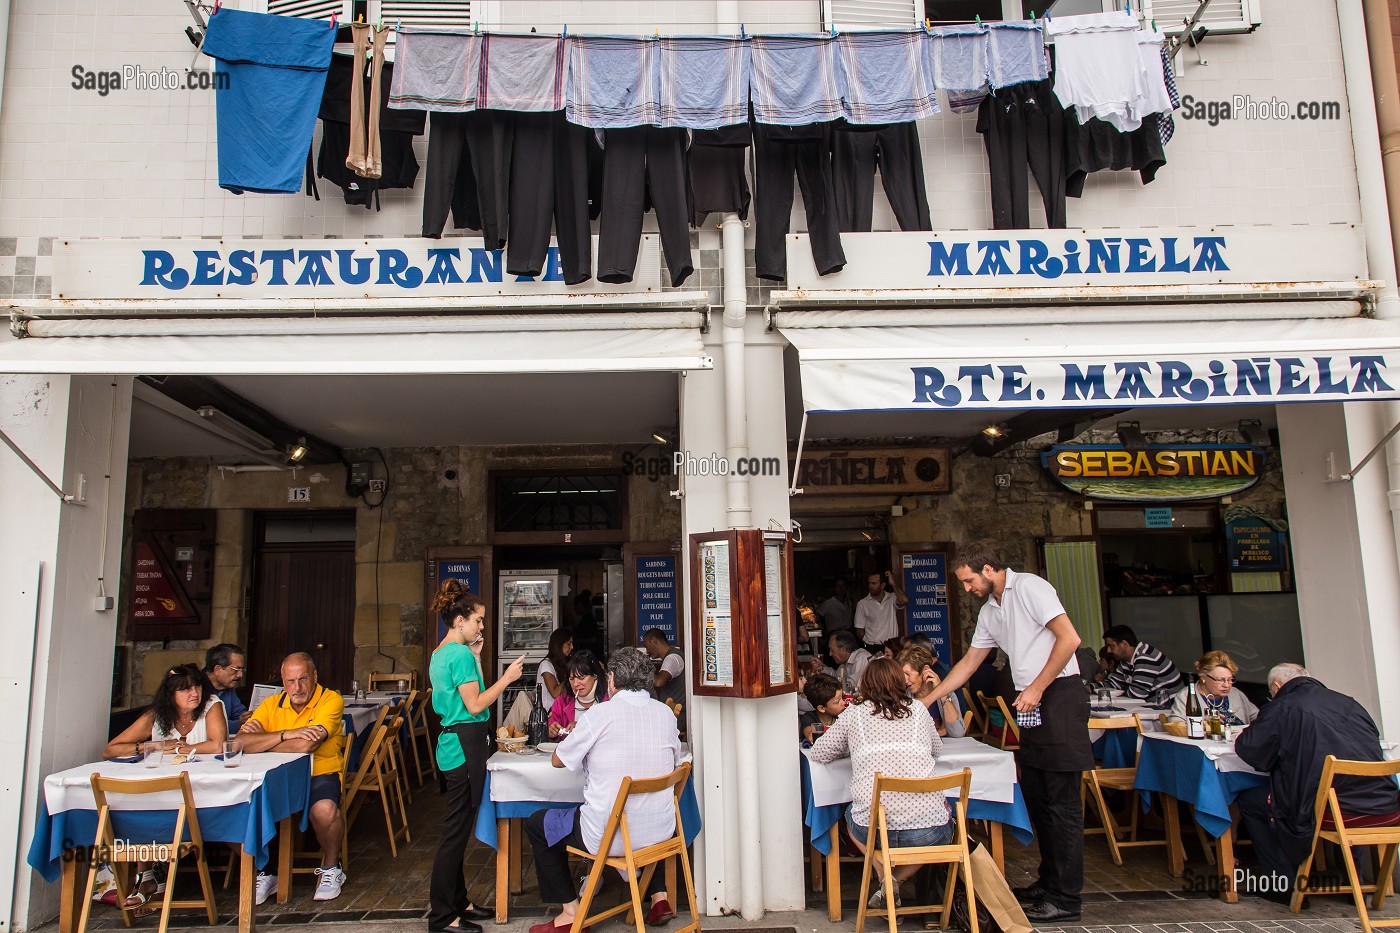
(359, 716)
(245, 805)
(996, 798)
(519, 785)
(1117, 748)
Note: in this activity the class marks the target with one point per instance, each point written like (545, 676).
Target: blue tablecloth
(285, 791)
(492, 810)
(1116, 748)
(357, 741)
(821, 819)
(1186, 773)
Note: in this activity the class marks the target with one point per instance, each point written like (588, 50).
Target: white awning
(600, 342)
(848, 367)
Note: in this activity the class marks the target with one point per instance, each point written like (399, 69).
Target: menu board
(773, 588)
(716, 616)
(926, 585)
(468, 571)
(1255, 545)
(656, 594)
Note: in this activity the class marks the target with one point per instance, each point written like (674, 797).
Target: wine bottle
(1195, 723)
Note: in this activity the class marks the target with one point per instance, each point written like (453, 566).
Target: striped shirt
(1147, 673)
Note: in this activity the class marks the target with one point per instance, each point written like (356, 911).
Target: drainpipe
(4, 43)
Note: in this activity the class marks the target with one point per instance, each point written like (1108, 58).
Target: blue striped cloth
(795, 79)
(521, 72)
(613, 81)
(886, 76)
(1016, 53)
(438, 70)
(704, 81)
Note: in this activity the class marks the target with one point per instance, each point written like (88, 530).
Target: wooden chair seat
(1096, 781)
(378, 774)
(1010, 737)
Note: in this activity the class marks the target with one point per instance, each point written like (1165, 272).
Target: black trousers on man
(893, 148)
(643, 162)
(779, 153)
(1024, 125)
(557, 885)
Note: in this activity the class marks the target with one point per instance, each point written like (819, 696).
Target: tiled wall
(140, 163)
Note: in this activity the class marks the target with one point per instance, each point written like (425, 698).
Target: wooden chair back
(631, 860)
(378, 681)
(1123, 780)
(954, 853)
(1010, 738)
(424, 759)
(379, 774)
(105, 848)
(978, 727)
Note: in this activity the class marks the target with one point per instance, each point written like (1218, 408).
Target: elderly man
(1141, 670)
(631, 735)
(1290, 739)
(306, 717)
(223, 668)
(851, 659)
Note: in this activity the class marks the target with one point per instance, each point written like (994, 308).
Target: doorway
(303, 594)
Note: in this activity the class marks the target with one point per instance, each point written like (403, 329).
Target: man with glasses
(1142, 671)
(224, 666)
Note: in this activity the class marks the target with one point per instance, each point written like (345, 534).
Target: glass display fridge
(529, 614)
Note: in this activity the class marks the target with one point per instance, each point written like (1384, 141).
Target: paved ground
(390, 895)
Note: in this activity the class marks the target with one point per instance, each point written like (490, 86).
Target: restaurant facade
(1169, 407)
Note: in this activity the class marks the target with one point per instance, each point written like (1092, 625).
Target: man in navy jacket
(1304, 723)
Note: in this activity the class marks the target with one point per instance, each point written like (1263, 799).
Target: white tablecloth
(386, 696)
(1150, 722)
(993, 772)
(363, 716)
(213, 784)
(516, 777)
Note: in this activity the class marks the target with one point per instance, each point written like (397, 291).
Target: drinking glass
(233, 753)
(154, 755)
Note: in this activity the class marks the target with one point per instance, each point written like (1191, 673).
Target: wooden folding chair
(418, 729)
(1010, 738)
(1122, 780)
(978, 727)
(378, 775)
(398, 719)
(954, 854)
(647, 859)
(1331, 826)
(378, 681)
(106, 849)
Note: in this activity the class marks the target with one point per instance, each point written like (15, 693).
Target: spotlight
(994, 430)
(1254, 433)
(1130, 435)
(659, 437)
(297, 452)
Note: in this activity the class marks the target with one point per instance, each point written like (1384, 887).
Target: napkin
(1107, 709)
(129, 760)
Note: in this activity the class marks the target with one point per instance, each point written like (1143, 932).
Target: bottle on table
(1195, 722)
(538, 728)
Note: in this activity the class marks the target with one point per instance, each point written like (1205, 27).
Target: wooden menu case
(742, 621)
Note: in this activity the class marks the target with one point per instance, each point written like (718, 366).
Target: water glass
(155, 756)
(233, 753)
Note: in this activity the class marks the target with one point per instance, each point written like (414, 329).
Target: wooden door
(304, 600)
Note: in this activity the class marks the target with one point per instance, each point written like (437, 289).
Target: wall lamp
(297, 451)
(995, 430)
(1130, 435)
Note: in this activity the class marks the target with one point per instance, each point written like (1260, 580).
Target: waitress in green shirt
(463, 701)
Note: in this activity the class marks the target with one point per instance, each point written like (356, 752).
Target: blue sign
(926, 585)
(656, 594)
(1157, 518)
(1050, 259)
(468, 571)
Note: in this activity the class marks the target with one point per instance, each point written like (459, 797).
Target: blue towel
(558, 824)
(266, 110)
(886, 76)
(1015, 53)
(957, 56)
(437, 70)
(704, 81)
(795, 80)
(613, 82)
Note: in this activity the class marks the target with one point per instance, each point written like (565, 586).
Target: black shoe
(463, 926)
(1030, 893)
(477, 913)
(1045, 912)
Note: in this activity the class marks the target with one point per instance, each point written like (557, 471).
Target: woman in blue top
(463, 701)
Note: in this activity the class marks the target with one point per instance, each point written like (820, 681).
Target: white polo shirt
(1017, 626)
(876, 617)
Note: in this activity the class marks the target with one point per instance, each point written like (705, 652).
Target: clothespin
(742, 33)
(565, 34)
(1154, 26)
(398, 25)
(475, 26)
(1032, 17)
(334, 16)
(217, 4)
(979, 19)
(833, 30)
(657, 33)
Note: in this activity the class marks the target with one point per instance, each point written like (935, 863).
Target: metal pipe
(736, 433)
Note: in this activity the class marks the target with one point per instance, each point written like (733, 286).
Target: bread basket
(515, 745)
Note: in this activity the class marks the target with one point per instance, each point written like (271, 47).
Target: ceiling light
(1131, 436)
(1255, 434)
(297, 451)
(994, 430)
(659, 437)
(233, 429)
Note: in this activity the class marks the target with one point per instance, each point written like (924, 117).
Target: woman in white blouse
(881, 732)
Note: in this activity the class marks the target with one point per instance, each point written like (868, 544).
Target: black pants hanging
(640, 163)
(549, 180)
(779, 152)
(856, 152)
(718, 183)
(1024, 125)
(450, 182)
(447, 892)
(557, 885)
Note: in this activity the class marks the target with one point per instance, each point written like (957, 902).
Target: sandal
(138, 897)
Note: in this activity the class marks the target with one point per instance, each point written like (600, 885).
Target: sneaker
(877, 900)
(265, 888)
(328, 884)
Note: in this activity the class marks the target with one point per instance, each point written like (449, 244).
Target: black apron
(1061, 741)
(476, 746)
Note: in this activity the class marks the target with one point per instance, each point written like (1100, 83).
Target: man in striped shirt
(1142, 670)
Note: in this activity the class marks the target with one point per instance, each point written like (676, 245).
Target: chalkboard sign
(655, 585)
(1255, 545)
(171, 574)
(930, 611)
(468, 571)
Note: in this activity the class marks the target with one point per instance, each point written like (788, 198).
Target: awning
(665, 341)
(849, 367)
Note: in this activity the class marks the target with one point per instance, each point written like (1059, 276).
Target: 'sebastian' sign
(1076, 258)
(398, 268)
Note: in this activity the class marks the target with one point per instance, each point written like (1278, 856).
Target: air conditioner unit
(1221, 18)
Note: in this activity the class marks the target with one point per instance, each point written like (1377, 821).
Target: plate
(548, 747)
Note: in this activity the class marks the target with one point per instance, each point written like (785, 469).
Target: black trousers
(779, 152)
(557, 885)
(1024, 125)
(1278, 853)
(1052, 800)
(718, 183)
(643, 162)
(893, 148)
(450, 182)
(549, 180)
(447, 891)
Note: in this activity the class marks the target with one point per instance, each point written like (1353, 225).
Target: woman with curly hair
(880, 733)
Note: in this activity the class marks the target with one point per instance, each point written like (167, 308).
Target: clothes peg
(742, 33)
(979, 19)
(335, 15)
(565, 33)
(398, 24)
(1032, 17)
(928, 23)
(217, 4)
(657, 33)
(1154, 26)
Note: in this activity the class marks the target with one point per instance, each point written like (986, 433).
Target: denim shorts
(903, 838)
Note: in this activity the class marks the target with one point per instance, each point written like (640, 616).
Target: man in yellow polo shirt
(306, 717)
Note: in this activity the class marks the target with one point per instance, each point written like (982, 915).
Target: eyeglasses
(235, 670)
(1219, 680)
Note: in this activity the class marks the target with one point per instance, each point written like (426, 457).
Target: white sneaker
(328, 884)
(265, 888)
(877, 900)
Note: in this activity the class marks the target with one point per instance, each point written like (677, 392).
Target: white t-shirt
(1017, 626)
(877, 618)
(547, 698)
(631, 735)
(200, 732)
(674, 665)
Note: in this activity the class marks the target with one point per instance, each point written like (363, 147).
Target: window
(965, 11)
(581, 502)
(397, 12)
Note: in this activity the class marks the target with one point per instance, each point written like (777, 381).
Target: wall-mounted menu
(716, 616)
(171, 577)
(778, 669)
(929, 612)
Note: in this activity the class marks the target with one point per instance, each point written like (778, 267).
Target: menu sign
(170, 577)
(656, 594)
(926, 585)
(778, 671)
(1255, 545)
(716, 616)
(153, 595)
(468, 571)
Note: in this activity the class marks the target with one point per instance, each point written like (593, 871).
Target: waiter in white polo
(1024, 617)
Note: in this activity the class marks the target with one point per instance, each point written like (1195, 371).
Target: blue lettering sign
(655, 589)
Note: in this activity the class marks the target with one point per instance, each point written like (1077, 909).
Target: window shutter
(425, 12)
(310, 9)
(870, 14)
(1222, 17)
